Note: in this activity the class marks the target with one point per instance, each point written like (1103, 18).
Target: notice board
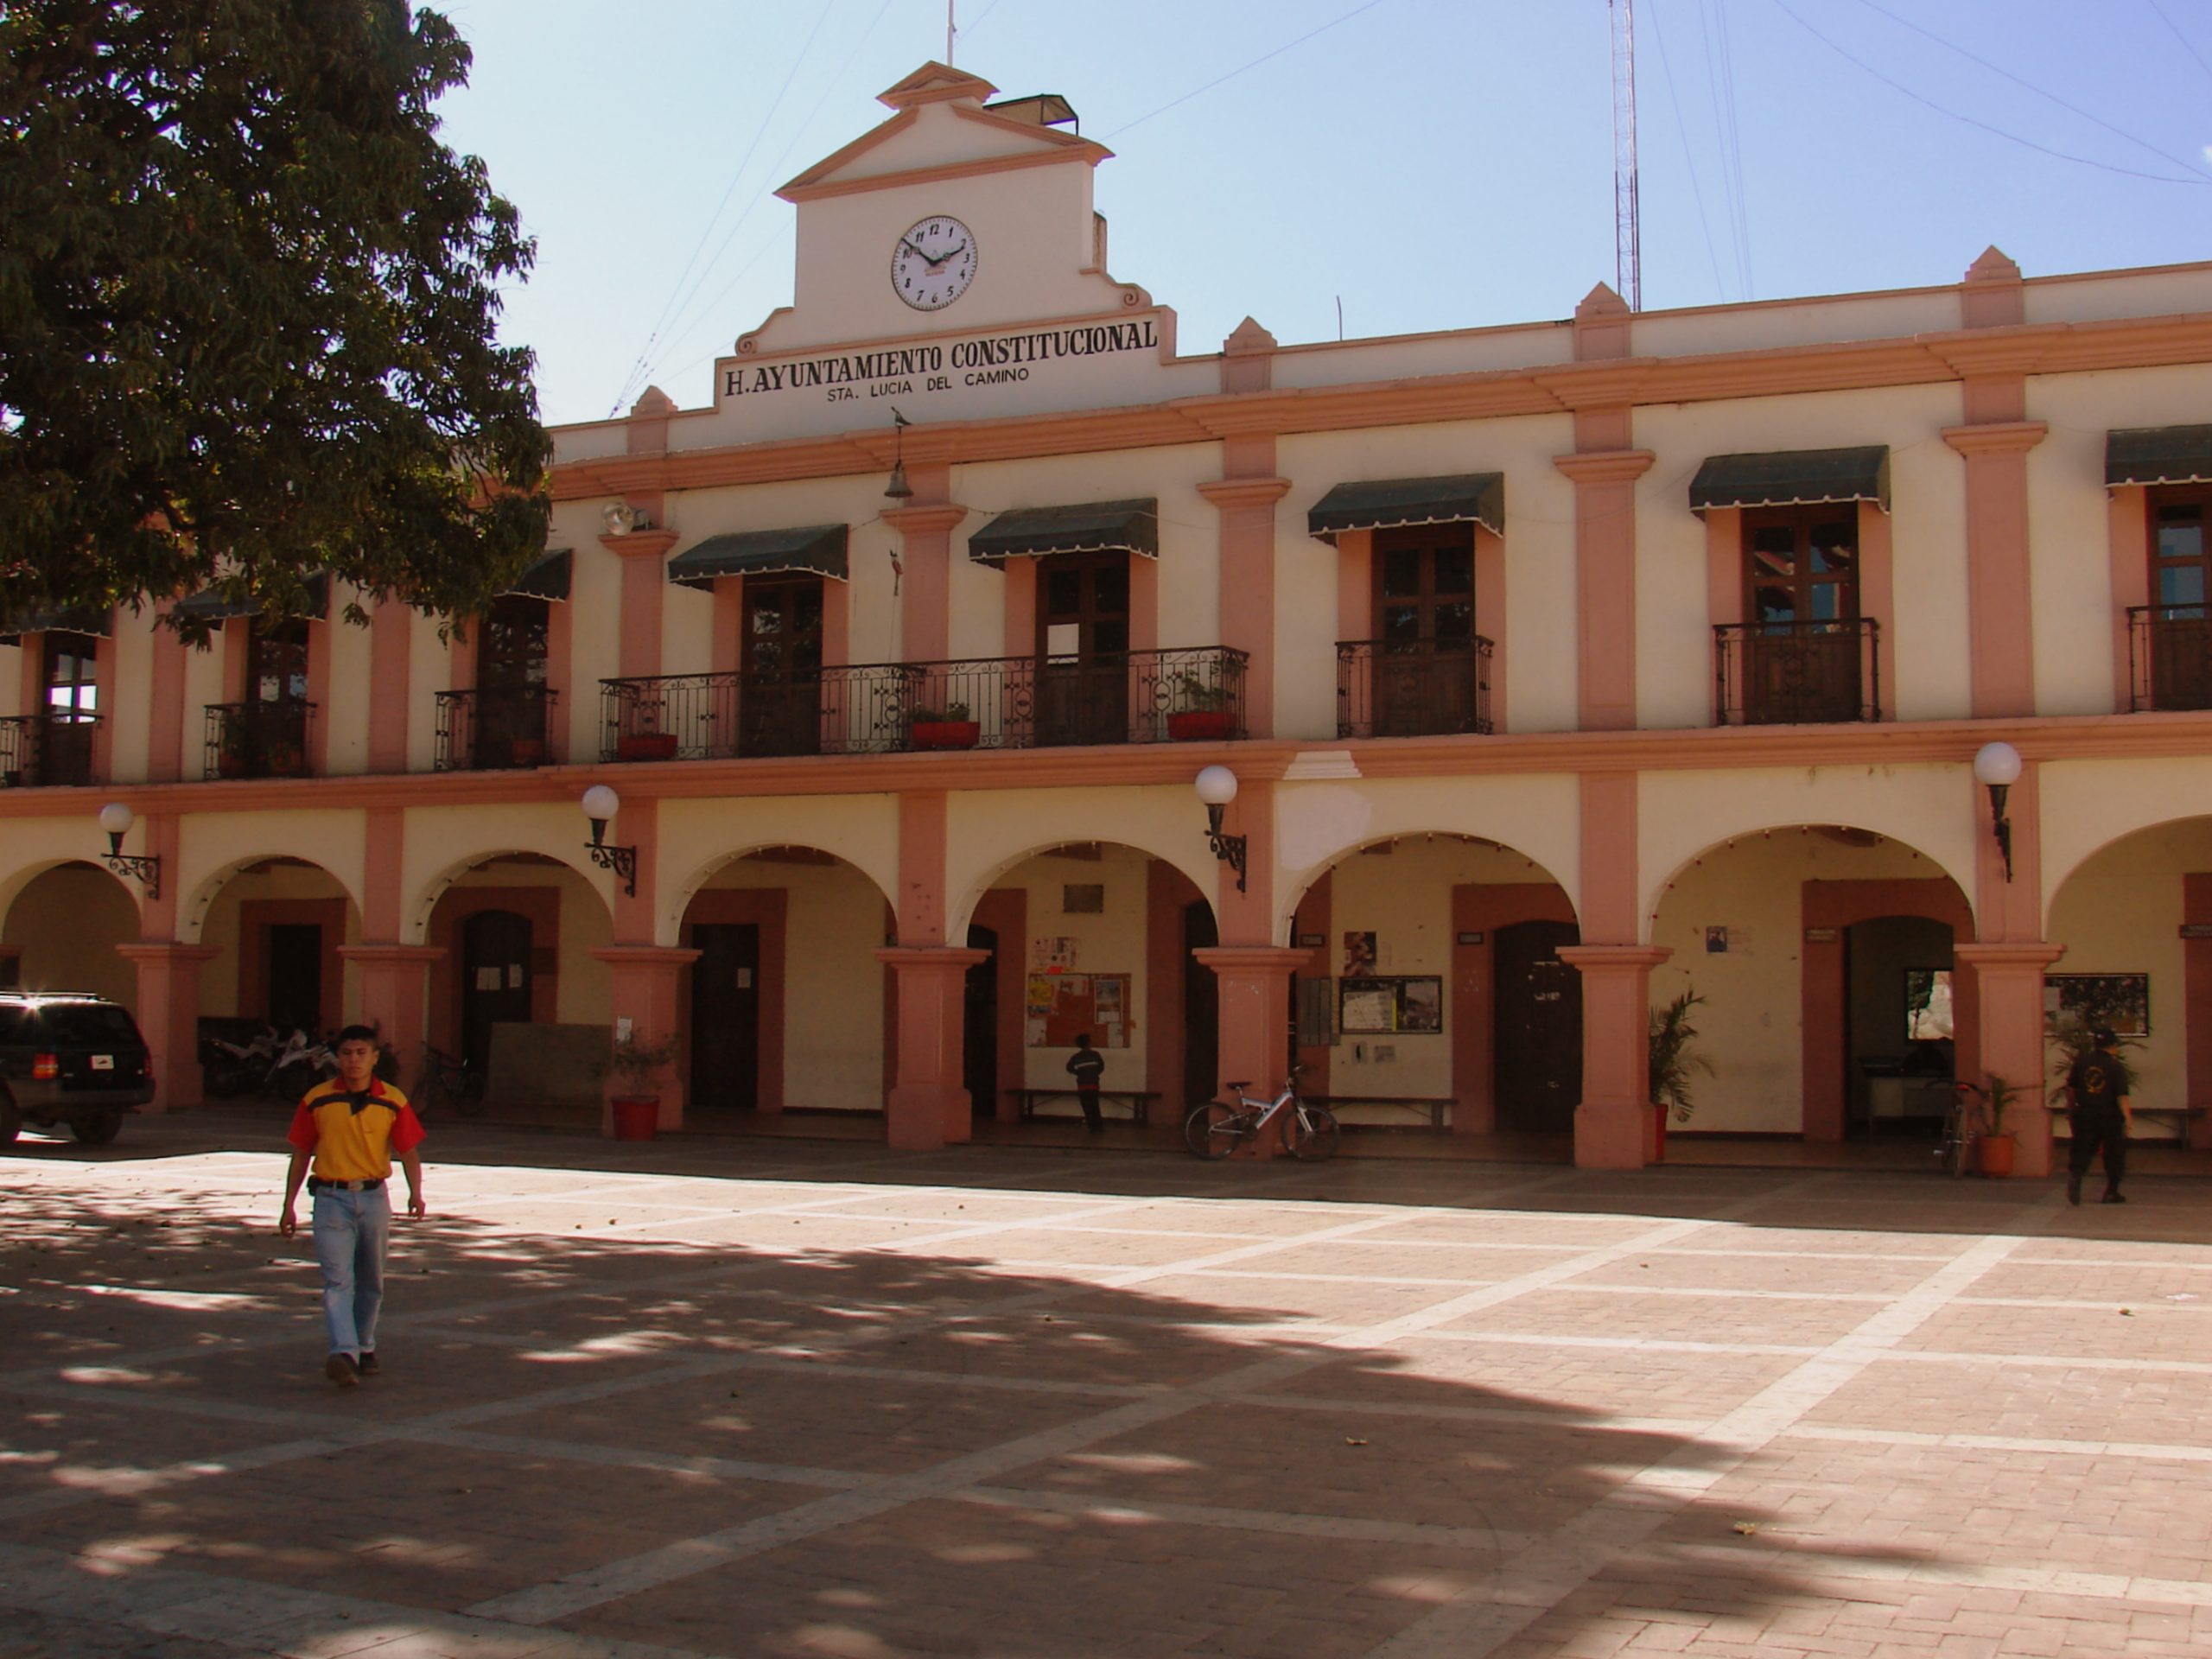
(1062, 1006)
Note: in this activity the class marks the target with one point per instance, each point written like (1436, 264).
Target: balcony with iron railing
(493, 729)
(47, 750)
(1796, 673)
(999, 703)
(1420, 687)
(258, 740)
(2168, 656)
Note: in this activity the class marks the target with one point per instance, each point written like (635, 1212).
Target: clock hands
(927, 258)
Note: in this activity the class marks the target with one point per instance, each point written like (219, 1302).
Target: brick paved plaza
(754, 1397)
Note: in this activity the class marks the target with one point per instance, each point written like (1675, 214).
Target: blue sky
(1429, 163)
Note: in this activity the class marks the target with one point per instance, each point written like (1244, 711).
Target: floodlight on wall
(600, 804)
(620, 518)
(1217, 787)
(116, 818)
(898, 489)
(1998, 766)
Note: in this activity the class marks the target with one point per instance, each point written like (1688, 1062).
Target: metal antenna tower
(1628, 257)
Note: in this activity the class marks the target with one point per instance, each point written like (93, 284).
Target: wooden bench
(1138, 1101)
(1433, 1107)
(2179, 1117)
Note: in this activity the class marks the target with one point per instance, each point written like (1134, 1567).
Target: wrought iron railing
(493, 729)
(47, 750)
(2168, 656)
(1796, 673)
(1417, 689)
(1145, 697)
(258, 740)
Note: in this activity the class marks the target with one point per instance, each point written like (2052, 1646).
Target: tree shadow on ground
(889, 1450)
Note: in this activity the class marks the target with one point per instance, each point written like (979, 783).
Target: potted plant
(1998, 1146)
(642, 738)
(948, 728)
(1674, 1062)
(1202, 711)
(234, 749)
(636, 1065)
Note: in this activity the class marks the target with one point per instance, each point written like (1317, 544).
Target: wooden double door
(1538, 1027)
(1082, 648)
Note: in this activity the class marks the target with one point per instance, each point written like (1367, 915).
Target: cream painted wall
(2089, 804)
(1406, 357)
(594, 621)
(2097, 296)
(990, 831)
(583, 988)
(430, 671)
(1924, 667)
(215, 845)
(1317, 823)
(1683, 815)
(1783, 324)
(1752, 1026)
(130, 720)
(687, 633)
(2121, 914)
(220, 991)
(698, 839)
(67, 921)
(11, 680)
(345, 711)
(832, 986)
(203, 684)
(1112, 942)
(444, 842)
(1404, 898)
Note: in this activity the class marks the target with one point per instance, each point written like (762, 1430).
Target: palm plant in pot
(1998, 1146)
(1202, 711)
(1674, 1062)
(949, 727)
(636, 1066)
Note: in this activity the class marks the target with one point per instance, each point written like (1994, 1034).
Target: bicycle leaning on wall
(1309, 1128)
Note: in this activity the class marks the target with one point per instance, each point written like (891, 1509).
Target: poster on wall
(1062, 1006)
(1359, 954)
(1372, 1007)
(1052, 954)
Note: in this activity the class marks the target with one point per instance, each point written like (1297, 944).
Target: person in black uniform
(2096, 1094)
(1087, 1065)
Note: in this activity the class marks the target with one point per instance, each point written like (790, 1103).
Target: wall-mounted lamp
(898, 489)
(1217, 787)
(116, 818)
(1998, 766)
(601, 803)
(620, 518)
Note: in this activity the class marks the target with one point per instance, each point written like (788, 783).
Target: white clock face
(933, 263)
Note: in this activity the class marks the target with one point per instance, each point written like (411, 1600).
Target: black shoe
(367, 1365)
(341, 1369)
(2073, 1195)
(2112, 1198)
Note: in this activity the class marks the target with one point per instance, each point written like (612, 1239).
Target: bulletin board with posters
(1060, 1007)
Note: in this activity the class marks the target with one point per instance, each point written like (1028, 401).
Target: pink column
(1253, 983)
(165, 718)
(2010, 980)
(168, 1015)
(1604, 564)
(643, 991)
(394, 992)
(391, 661)
(644, 553)
(928, 1105)
(1613, 1124)
(925, 558)
(1247, 505)
(2000, 610)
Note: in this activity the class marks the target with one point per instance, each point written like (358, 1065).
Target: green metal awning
(2158, 455)
(545, 578)
(1094, 526)
(213, 606)
(54, 621)
(1793, 478)
(1388, 503)
(818, 548)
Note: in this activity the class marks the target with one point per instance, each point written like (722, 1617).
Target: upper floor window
(1082, 647)
(779, 699)
(1798, 656)
(2174, 633)
(1422, 673)
(512, 653)
(71, 663)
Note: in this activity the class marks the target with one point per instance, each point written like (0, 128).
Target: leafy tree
(247, 303)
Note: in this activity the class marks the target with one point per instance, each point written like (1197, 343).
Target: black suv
(69, 1057)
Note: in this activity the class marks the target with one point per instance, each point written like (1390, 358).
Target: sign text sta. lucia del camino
(995, 359)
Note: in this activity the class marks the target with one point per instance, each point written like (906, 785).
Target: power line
(2186, 45)
(1697, 192)
(1240, 68)
(1999, 132)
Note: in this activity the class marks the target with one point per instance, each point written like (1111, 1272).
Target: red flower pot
(645, 745)
(946, 733)
(1202, 725)
(637, 1117)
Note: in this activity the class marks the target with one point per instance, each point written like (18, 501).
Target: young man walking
(1087, 1065)
(347, 1130)
(2096, 1091)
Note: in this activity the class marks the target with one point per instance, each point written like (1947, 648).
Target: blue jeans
(351, 1231)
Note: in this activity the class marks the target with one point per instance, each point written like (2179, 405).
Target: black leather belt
(317, 1183)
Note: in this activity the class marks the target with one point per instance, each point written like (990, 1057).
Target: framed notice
(2120, 1000)
(1060, 1007)
(1373, 1007)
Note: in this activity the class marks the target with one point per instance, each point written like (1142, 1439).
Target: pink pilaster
(644, 983)
(2009, 981)
(1253, 984)
(1247, 505)
(925, 579)
(644, 553)
(391, 626)
(1612, 1126)
(169, 1016)
(1605, 563)
(928, 1104)
(2000, 610)
(165, 701)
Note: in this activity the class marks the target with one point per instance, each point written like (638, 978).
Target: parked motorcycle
(302, 1063)
(228, 1069)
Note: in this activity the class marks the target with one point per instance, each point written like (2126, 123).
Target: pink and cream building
(1558, 666)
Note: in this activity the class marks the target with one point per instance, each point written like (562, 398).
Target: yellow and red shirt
(354, 1136)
